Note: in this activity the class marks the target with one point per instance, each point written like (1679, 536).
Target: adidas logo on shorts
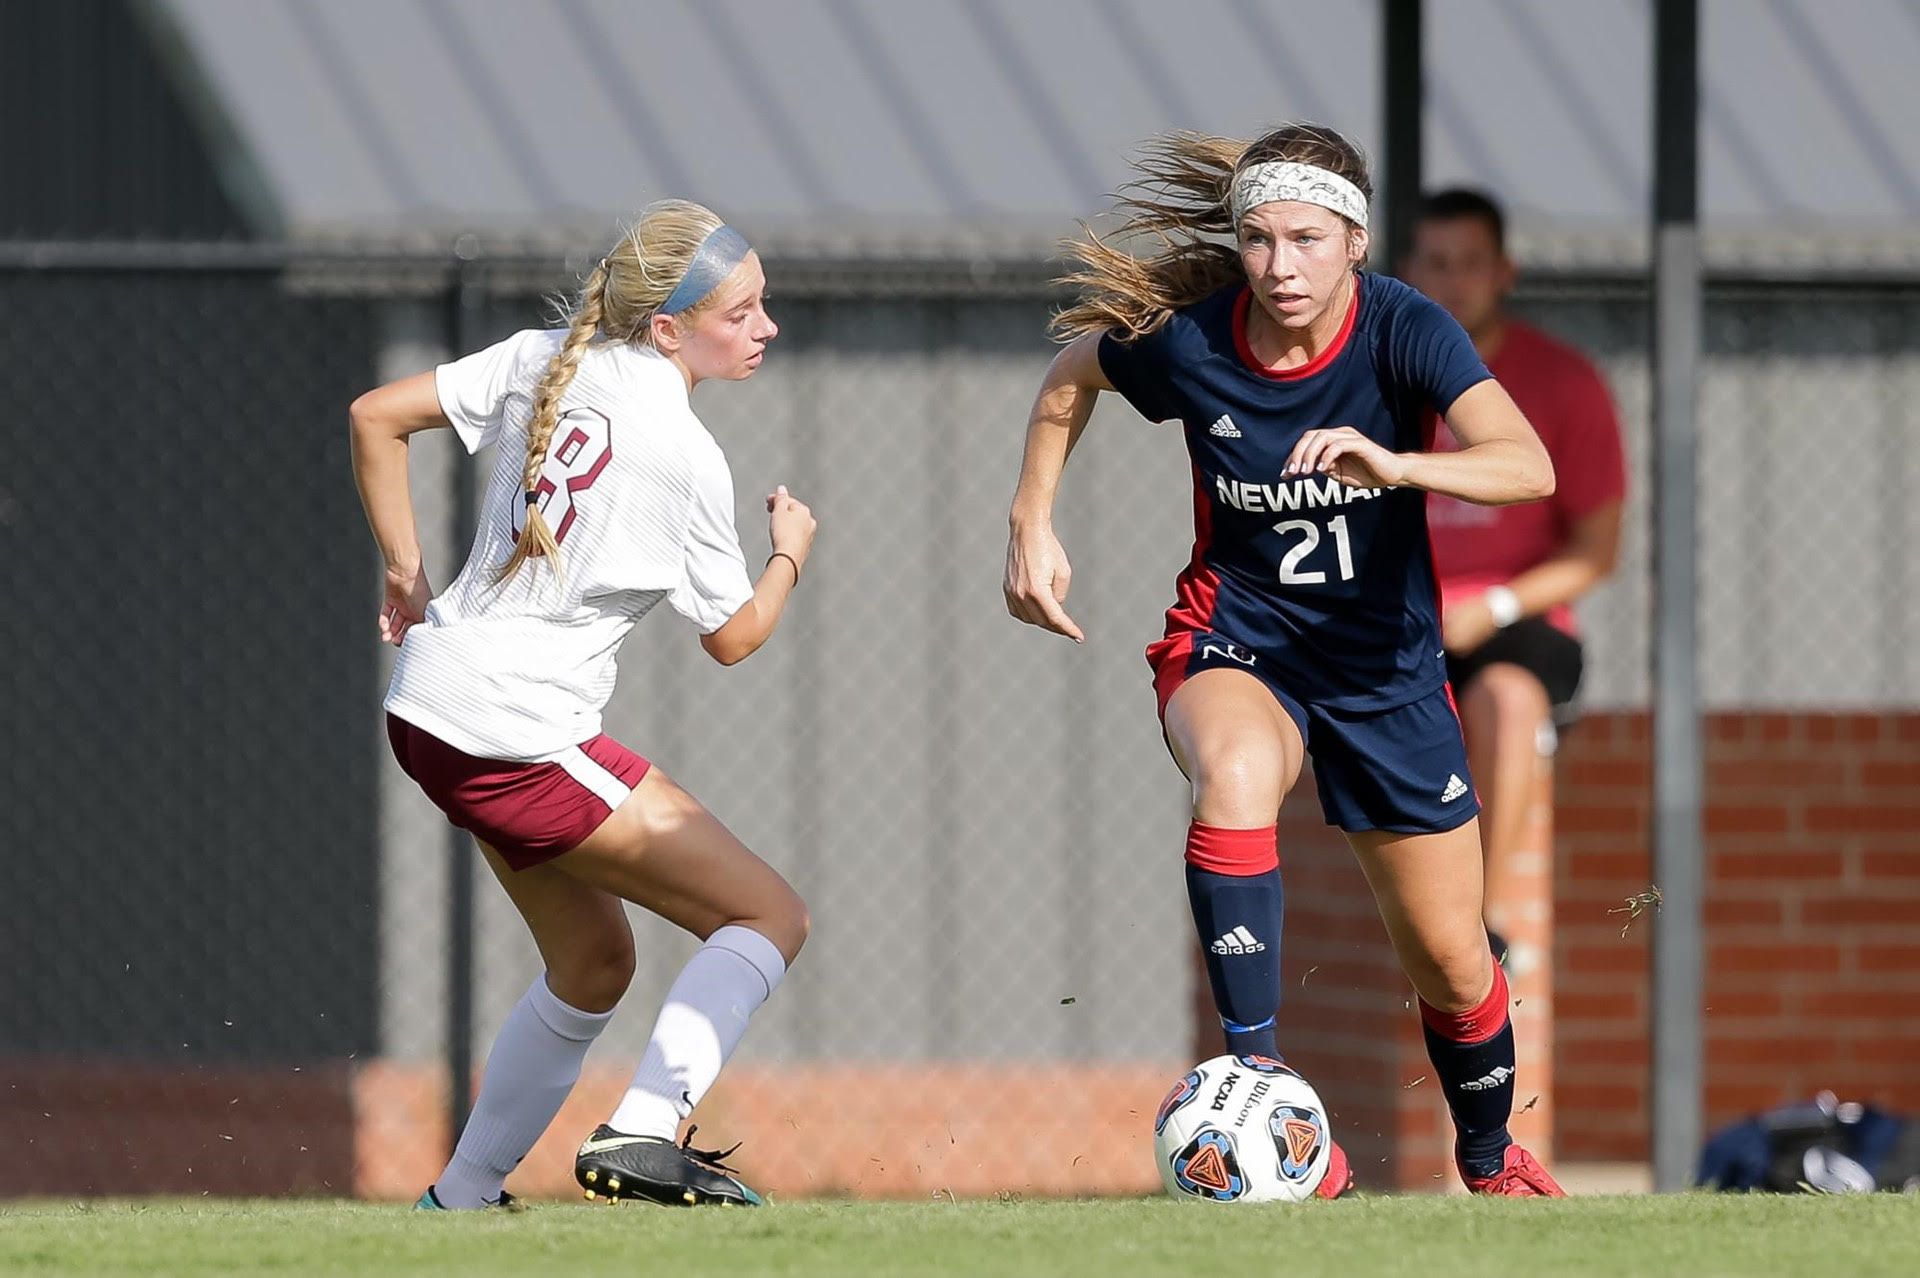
(1456, 788)
(1238, 941)
(1224, 428)
(1488, 1082)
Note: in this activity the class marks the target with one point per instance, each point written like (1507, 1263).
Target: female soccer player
(608, 497)
(1306, 622)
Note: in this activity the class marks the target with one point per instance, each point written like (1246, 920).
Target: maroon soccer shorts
(528, 812)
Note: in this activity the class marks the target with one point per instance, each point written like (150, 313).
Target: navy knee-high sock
(1233, 885)
(1472, 1054)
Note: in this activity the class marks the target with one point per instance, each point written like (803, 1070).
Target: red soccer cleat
(1339, 1177)
(1521, 1177)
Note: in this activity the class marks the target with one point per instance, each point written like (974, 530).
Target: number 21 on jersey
(1291, 573)
(581, 447)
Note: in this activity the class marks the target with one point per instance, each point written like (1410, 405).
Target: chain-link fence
(226, 912)
(1808, 452)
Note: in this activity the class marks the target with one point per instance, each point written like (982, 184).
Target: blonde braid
(537, 538)
(617, 304)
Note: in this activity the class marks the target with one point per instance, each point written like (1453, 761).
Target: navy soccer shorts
(1401, 770)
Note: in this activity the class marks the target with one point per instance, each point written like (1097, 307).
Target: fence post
(465, 298)
(1676, 1092)
(1403, 108)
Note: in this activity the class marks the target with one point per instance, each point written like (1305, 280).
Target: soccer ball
(1242, 1129)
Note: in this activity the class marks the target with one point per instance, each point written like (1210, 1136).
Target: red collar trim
(1243, 305)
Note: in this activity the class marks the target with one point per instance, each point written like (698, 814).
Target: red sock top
(1476, 1024)
(1242, 853)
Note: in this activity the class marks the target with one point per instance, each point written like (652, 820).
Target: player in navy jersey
(1307, 623)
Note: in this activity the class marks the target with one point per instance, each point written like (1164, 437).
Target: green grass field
(1691, 1235)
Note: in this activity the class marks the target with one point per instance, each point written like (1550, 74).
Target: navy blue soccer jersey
(1332, 587)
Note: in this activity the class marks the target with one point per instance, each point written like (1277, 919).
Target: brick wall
(93, 1126)
(1813, 918)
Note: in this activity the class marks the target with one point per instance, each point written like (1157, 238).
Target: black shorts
(1537, 646)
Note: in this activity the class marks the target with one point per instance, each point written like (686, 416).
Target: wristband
(781, 554)
(1503, 605)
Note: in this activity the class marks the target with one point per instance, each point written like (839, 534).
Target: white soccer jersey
(640, 498)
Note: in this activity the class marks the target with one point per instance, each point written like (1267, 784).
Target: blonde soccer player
(607, 498)
(1308, 622)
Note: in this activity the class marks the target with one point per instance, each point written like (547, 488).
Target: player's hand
(405, 605)
(1466, 625)
(1037, 579)
(790, 524)
(1348, 456)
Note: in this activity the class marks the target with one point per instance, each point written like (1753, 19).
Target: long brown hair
(616, 304)
(1180, 197)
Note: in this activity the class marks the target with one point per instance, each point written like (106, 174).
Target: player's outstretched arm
(1500, 462)
(1037, 570)
(381, 421)
(791, 529)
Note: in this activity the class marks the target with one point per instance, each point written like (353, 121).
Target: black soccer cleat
(613, 1165)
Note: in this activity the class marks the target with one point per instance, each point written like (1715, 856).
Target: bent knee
(782, 919)
(1237, 779)
(1456, 978)
(789, 927)
(1507, 699)
(594, 971)
(802, 928)
(1513, 689)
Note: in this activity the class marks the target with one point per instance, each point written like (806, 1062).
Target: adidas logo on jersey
(1224, 428)
(1456, 788)
(1238, 941)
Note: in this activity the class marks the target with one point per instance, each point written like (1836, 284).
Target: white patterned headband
(1308, 183)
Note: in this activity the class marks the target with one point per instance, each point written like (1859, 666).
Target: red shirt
(1561, 393)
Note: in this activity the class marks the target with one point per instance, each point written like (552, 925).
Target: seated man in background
(1509, 574)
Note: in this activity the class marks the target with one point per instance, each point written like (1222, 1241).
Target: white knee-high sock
(705, 1015)
(534, 1063)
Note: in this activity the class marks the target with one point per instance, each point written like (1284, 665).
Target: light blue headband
(715, 259)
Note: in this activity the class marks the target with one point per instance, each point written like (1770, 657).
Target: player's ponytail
(535, 537)
(617, 303)
(1180, 198)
